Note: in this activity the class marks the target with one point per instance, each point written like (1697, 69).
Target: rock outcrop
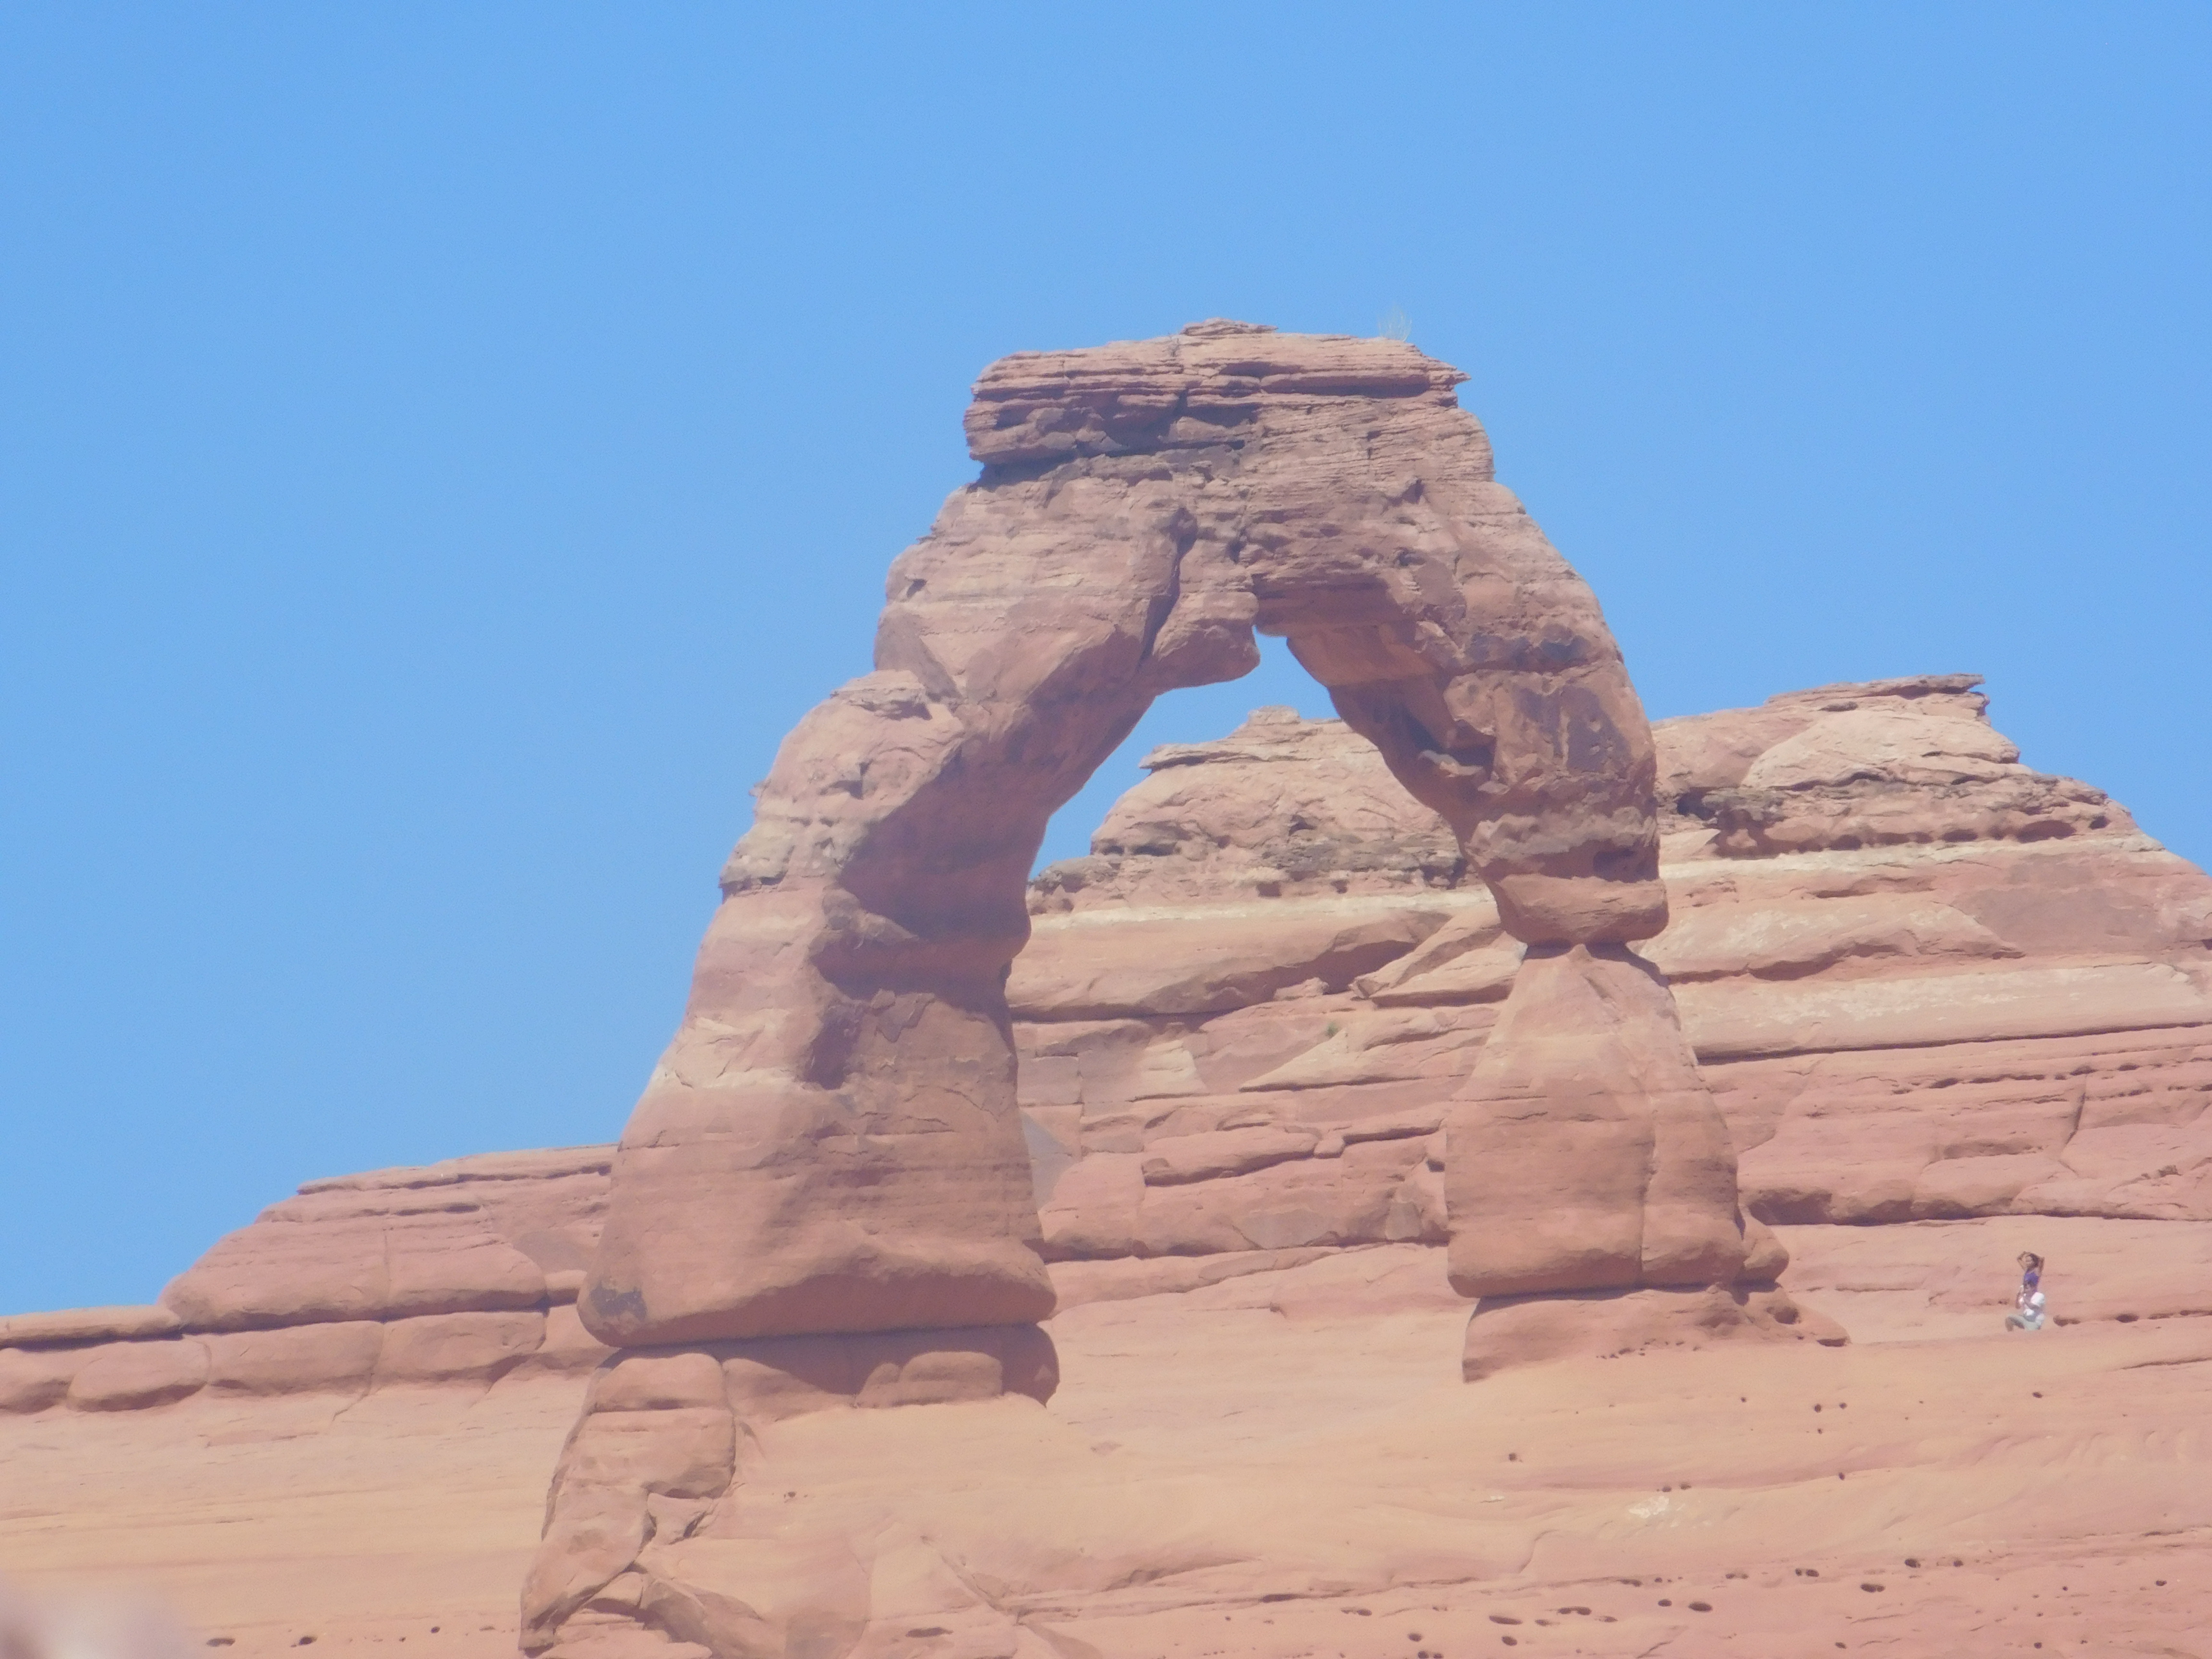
(1279, 1464)
(832, 1144)
(2014, 1023)
(1923, 980)
(1241, 1020)
(453, 1273)
(831, 1141)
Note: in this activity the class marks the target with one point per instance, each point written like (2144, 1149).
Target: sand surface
(1284, 1464)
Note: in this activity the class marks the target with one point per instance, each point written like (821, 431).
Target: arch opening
(831, 1142)
(825, 1194)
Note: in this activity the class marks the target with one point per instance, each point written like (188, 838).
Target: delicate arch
(831, 1142)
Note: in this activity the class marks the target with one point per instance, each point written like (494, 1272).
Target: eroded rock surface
(456, 1272)
(1278, 1462)
(1962, 1046)
(832, 1140)
(1325, 997)
(1965, 989)
(1953, 1027)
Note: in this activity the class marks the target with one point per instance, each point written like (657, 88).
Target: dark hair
(2034, 1261)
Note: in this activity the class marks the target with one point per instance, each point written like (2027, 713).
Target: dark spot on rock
(927, 1630)
(1664, 1603)
(1912, 1560)
(1701, 1606)
(1503, 1618)
(226, 1641)
(1869, 1585)
(1279, 1596)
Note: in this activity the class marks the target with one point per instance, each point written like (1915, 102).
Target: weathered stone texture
(832, 1140)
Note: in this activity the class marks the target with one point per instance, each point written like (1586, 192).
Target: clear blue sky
(445, 448)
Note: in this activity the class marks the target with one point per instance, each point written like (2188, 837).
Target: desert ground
(1286, 1462)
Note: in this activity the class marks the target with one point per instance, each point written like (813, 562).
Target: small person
(2027, 1308)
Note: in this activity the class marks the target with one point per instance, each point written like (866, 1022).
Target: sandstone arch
(823, 1202)
(831, 1144)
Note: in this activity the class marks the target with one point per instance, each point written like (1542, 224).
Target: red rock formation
(1944, 1028)
(1980, 1036)
(1273, 1465)
(457, 1273)
(831, 1142)
(1984, 992)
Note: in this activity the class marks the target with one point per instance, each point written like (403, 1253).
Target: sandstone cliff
(1952, 1009)
(1925, 982)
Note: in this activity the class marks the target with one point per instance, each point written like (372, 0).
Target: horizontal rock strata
(457, 1273)
(1922, 980)
(1964, 1025)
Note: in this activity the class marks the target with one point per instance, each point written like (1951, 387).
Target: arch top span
(831, 1141)
(1144, 507)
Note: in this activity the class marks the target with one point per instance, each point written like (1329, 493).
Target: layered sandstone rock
(1272, 1464)
(831, 1142)
(1959, 988)
(452, 1273)
(1981, 1035)
(1937, 1029)
(656, 1452)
